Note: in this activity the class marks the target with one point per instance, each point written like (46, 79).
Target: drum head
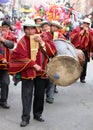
(63, 70)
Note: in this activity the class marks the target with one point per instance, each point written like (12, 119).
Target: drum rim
(58, 56)
(59, 39)
(64, 57)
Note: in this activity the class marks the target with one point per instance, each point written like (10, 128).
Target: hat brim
(43, 23)
(29, 25)
(86, 22)
(38, 18)
(59, 26)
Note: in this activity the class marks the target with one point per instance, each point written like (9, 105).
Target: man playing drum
(46, 34)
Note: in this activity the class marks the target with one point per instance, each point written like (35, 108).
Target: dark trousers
(83, 74)
(27, 92)
(50, 89)
(4, 82)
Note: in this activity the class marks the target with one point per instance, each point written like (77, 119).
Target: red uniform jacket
(6, 54)
(21, 60)
(84, 42)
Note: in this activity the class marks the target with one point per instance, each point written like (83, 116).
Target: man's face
(54, 28)
(46, 28)
(5, 28)
(38, 21)
(30, 31)
(85, 24)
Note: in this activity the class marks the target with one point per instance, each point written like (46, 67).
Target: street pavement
(71, 110)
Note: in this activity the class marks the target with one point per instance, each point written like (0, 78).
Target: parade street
(46, 79)
(72, 109)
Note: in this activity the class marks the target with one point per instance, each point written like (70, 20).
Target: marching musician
(55, 30)
(38, 20)
(46, 34)
(7, 40)
(82, 38)
(29, 59)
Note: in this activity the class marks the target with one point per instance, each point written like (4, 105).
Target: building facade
(83, 6)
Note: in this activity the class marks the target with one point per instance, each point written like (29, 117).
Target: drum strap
(44, 52)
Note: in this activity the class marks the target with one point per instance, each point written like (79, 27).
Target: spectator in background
(18, 27)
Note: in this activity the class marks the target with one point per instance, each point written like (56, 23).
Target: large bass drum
(64, 69)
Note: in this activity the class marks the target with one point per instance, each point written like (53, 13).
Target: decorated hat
(44, 22)
(38, 17)
(87, 20)
(56, 23)
(29, 22)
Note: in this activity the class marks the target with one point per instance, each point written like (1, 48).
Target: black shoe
(4, 105)
(24, 123)
(50, 101)
(39, 118)
(82, 81)
(55, 91)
